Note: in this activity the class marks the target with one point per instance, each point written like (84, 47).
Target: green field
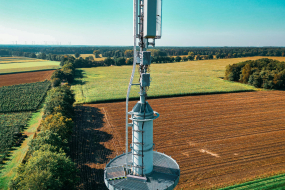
(192, 77)
(28, 64)
(274, 182)
(13, 65)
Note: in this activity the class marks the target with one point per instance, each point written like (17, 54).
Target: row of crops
(17, 103)
(15, 119)
(9, 135)
(275, 182)
(11, 124)
(24, 97)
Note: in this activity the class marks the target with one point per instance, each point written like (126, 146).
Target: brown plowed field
(21, 78)
(217, 140)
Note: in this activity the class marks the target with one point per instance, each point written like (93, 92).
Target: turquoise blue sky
(109, 22)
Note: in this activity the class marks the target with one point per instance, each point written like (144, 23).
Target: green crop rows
(11, 123)
(24, 97)
(15, 119)
(7, 139)
(274, 182)
(16, 105)
(10, 126)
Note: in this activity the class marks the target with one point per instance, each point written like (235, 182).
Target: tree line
(126, 51)
(124, 56)
(18, 50)
(261, 73)
(70, 63)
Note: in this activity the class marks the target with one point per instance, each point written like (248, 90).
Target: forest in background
(126, 51)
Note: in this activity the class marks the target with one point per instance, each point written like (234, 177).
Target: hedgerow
(59, 99)
(66, 73)
(46, 165)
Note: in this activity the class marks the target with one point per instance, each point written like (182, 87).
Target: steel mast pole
(143, 69)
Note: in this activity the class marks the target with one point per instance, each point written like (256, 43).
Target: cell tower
(142, 168)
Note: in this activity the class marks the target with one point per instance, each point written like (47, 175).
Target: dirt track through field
(27, 77)
(217, 140)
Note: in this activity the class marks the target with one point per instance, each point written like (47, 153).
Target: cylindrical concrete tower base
(142, 138)
(142, 145)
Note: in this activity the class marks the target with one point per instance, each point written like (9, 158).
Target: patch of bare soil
(217, 140)
(21, 78)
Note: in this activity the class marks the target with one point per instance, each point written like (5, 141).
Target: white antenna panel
(158, 19)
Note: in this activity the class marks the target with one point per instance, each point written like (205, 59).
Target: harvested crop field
(21, 78)
(217, 140)
(88, 55)
(10, 65)
(6, 60)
